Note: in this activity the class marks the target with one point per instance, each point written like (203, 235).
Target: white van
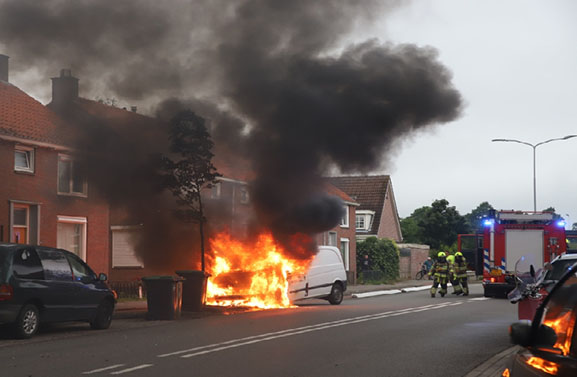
(326, 278)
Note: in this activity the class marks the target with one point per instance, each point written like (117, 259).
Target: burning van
(325, 278)
(262, 275)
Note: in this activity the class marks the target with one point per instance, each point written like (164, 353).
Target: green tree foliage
(440, 224)
(475, 217)
(383, 256)
(189, 168)
(556, 216)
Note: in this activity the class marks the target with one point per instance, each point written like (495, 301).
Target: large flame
(563, 326)
(254, 274)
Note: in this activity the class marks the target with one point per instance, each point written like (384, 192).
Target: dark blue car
(44, 284)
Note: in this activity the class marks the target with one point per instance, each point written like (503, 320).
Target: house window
(24, 223)
(332, 239)
(123, 246)
(215, 191)
(71, 181)
(244, 195)
(360, 223)
(364, 220)
(71, 235)
(24, 159)
(345, 218)
(345, 252)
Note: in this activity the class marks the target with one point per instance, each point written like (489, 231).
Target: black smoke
(273, 78)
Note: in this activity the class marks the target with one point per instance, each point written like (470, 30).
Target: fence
(128, 289)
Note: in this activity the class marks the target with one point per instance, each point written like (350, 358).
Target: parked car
(549, 342)
(43, 284)
(558, 268)
(326, 278)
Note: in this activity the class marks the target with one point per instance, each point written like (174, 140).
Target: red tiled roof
(334, 191)
(125, 123)
(368, 191)
(22, 117)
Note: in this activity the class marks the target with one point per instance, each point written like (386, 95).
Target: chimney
(64, 88)
(3, 68)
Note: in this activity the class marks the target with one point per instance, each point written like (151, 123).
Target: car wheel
(336, 296)
(27, 322)
(103, 316)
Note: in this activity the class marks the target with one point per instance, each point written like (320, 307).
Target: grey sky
(515, 63)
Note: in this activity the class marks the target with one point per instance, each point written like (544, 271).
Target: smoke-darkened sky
(312, 103)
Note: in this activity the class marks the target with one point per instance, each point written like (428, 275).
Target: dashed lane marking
(210, 348)
(132, 369)
(103, 369)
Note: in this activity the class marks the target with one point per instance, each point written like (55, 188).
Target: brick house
(377, 213)
(43, 199)
(229, 197)
(343, 235)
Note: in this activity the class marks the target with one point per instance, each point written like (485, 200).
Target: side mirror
(102, 277)
(520, 333)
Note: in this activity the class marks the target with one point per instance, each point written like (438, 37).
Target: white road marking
(133, 369)
(103, 369)
(210, 348)
(291, 330)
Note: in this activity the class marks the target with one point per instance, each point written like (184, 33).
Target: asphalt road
(408, 334)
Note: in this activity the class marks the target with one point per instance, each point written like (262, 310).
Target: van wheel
(336, 296)
(103, 316)
(27, 322)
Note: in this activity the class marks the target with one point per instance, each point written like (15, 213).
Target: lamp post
(534, 146)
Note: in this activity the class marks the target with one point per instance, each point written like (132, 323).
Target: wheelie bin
(163, 296)
(193, 289)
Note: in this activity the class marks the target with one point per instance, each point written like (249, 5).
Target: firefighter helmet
(441, 254)
(458, 254)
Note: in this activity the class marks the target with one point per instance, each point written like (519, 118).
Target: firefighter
(440, 272)
(460, 274)
(454, 284)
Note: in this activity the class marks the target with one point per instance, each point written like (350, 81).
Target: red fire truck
(510, 235)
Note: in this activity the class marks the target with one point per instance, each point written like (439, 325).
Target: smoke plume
(273, 79)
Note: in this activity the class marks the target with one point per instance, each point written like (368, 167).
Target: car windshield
(559, 269)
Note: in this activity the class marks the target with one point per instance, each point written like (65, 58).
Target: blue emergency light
(561, 223)
(488, 222)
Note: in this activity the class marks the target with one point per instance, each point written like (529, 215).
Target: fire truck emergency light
(561, 223)
(488, 222)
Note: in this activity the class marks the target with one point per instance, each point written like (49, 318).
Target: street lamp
(534, 146)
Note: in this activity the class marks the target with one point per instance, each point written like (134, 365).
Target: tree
(475, 216)
(440, 224)
(191, 170)
(383, 256)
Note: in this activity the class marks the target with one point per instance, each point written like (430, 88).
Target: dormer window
(364, 220)
(24, 159)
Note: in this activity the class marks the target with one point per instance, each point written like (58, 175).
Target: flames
(563, 327)
(254, 274)
(544, 365)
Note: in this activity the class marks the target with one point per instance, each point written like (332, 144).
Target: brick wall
(412, 257)
(40, 188)
(389, 222)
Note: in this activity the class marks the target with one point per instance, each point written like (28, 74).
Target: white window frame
(345, 252)
(29, 152)
(367, 217)
(135, 262)
(345, 218)
(215, 191)
(332, 235)
(244, 195)
(84, 193)
(75, 220)
(13, 224)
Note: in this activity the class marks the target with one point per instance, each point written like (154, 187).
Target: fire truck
(510, 235)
